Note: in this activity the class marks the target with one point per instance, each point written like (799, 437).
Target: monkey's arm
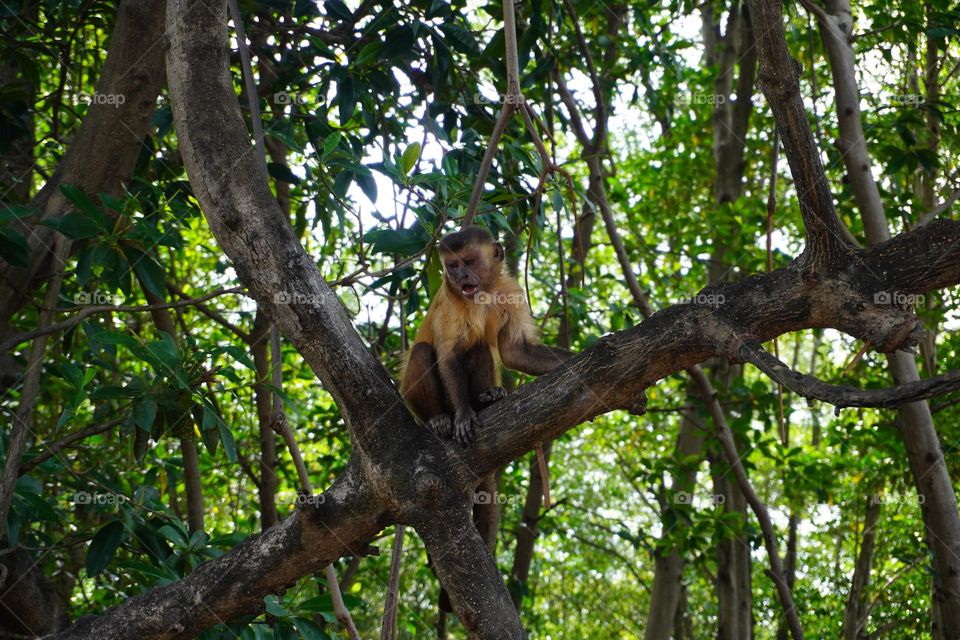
(532, 358)
(456, 385)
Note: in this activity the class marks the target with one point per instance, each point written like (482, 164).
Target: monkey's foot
(441, 425)
(492, 394)
(465, 427)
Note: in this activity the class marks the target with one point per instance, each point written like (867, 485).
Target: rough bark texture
(267, 479)
(106, 146)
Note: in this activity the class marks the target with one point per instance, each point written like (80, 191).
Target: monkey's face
(472, 269)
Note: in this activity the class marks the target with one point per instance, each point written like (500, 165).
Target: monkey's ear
(498, 252)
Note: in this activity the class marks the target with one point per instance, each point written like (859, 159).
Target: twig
(86, 312)
(282, 427)
(775, 570)
(54, 448)
(388, 630)
(252, 97)
(23, 420)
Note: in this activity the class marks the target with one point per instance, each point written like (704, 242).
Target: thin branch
(600, 130)
(845, 395)
(940, 208)
(86, 312)
(54, 448)
(210, 313)
(282, 427)
(388, 630)
(775, 570)
(818, 11)
(251, 85)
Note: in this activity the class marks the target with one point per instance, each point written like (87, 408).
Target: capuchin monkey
(478, 320)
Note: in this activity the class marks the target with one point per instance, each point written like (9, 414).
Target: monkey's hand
(441, 425)
(465, 426)
(492, 394)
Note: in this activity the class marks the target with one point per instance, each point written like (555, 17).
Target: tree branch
(845, 395)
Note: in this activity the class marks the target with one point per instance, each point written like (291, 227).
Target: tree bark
(263, 398)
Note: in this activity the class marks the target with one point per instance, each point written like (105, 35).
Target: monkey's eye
(468, 262)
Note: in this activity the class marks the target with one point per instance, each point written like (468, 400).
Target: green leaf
(330, 143)
(108, 336)
(403, 242)
(165, 352)
(174, 535)
(111, 392)
(103, 547)
(274, 608)
(11, 212)
(339, 10)
(209, 416)
(229, 444)
(309, 631)
(145, 412)
(87, 207)
(239, 355)
(461, 39)
(368, 185)
(14, 247)
(346, 99)
(282, 173)
(409, 158)
(75, 226)
(151, 275)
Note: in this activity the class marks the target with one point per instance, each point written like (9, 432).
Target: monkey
(478, 320)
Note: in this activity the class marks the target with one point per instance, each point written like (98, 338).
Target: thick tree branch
(324, 528)
(232, 186)
(780, 81)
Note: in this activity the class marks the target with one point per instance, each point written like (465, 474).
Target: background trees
(148, 350)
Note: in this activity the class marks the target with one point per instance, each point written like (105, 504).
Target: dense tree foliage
(142, 376)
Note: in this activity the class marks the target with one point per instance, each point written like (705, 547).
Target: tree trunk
(666, 589)
(853, 615)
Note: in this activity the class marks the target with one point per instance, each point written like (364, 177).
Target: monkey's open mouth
(469, 289)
